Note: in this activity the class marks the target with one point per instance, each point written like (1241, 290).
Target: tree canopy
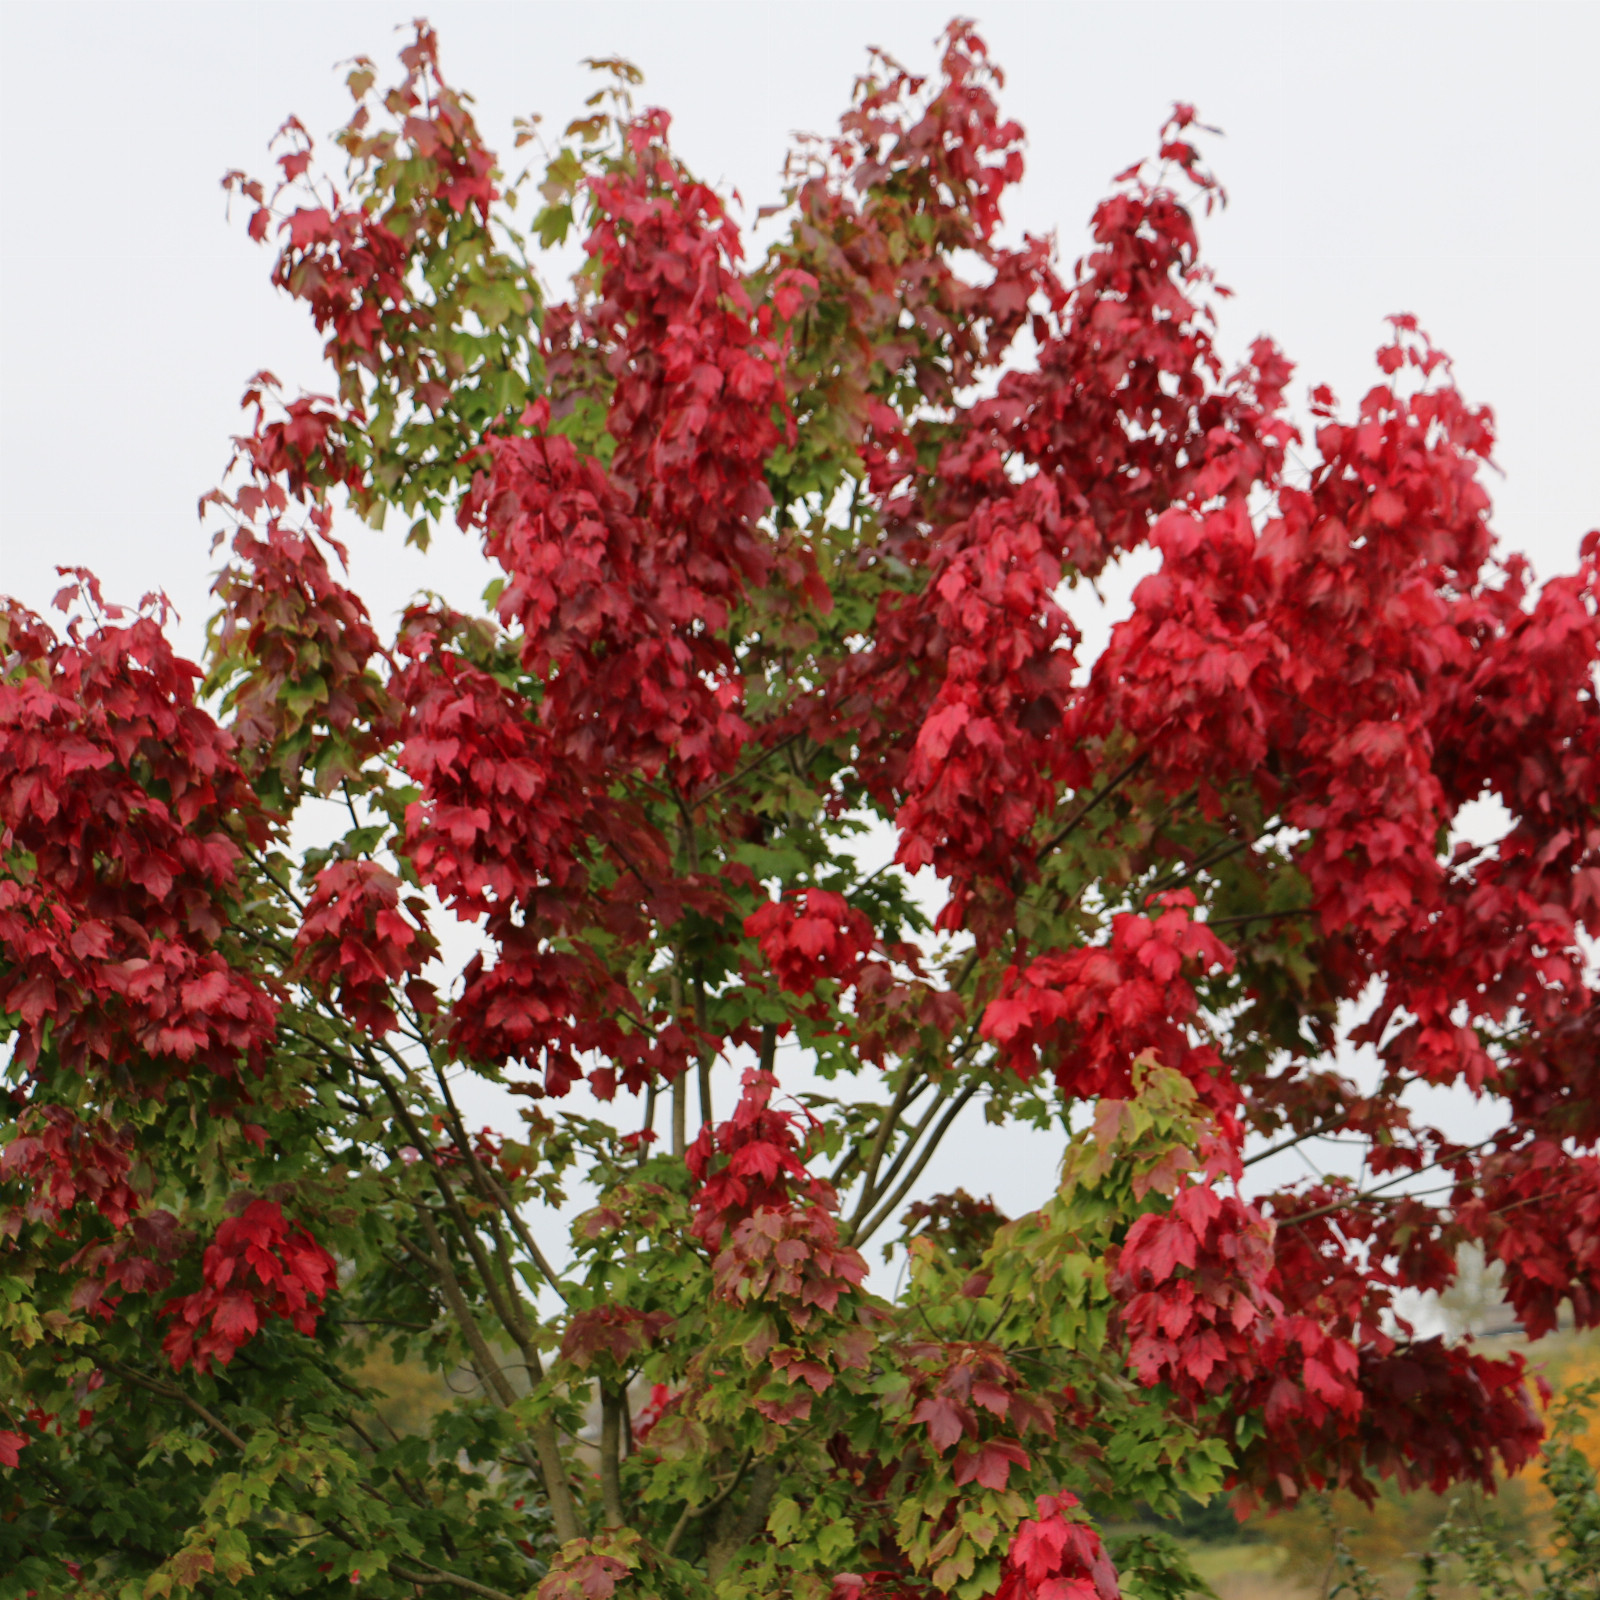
(785, 550)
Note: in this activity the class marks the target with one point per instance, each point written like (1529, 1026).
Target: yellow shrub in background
(1565, 1360)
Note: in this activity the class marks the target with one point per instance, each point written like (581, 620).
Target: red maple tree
(785, 548)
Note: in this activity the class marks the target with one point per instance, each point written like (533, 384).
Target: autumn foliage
(786, 548)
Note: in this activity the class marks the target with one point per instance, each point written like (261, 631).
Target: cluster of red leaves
(298, 647)
(1192, 1283)
(621, 575)
(1244, 630)
(355, 938)
(1340, 1399)
(122, 797)
(1211, 1308)
(500, 817)
(352, 263)
(886, 207)
(771, 1226)
(1243, 662)
(1431, 1415)
(752, 1162)
(1056, 1556)
(594, 1569)
(259, 1266)
(551, 1007)
(809, 935)
(981, 768)
(965, 689)
(895, 1015)
(955, 1388)
(907, 184)
(64, 1160)
(617, 1336)
(1537, 1212)
(139, 1258)
(123, 812)
(1091, 1012)
(964, 1227)
(498, 832)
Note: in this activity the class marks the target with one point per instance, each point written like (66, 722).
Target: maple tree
(784, 548)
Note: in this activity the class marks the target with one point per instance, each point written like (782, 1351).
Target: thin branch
(1125, 772)
(267, 871)
(886, 1127)
(171, 1391)
(502, 1298)
(734, 1533)
(649, 1122)
(887, 1208)
(1260, 916)
(877, 872)
(852, 1158)
(903, 1154)
(691, 1510)
(491, 1188)
(349, 802)
(745, 771)
(545, 1458)
(436, 1575)
(1214, 857)
(611, 1406)
(1316, 1132)
(1377, 1190)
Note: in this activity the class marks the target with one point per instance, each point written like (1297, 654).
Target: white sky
(1437, 159)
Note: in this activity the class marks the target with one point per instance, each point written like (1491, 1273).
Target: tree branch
(745, 771)
(690, 1510)
(734, 1533)
(909, 1086)
(1327, 1124)
(1125, 772)
(867, 1230)
(903, 1154)
(435, 1575)
(1217, 855)
(546, 1456)
(1377, 1191)
(1261, 916)
(492, 1189)
(171, 1391)
(611, 1403)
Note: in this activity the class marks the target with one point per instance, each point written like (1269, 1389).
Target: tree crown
(786, 550)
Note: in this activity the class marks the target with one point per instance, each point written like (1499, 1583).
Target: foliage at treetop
(783, 547)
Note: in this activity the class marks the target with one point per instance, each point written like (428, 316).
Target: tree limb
(1123, 773)
(887, 1208)
(546, 1460)
(735, 1532)
(611, 1404)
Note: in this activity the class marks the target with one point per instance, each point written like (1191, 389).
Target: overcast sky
(1436, 159)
